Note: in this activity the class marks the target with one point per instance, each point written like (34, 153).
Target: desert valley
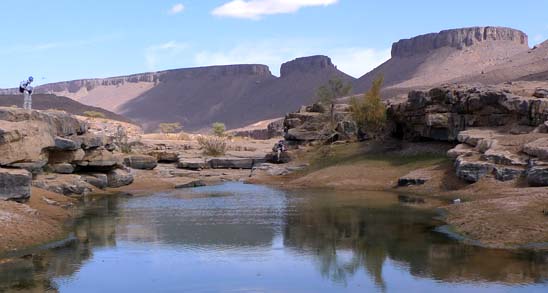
(436, 161)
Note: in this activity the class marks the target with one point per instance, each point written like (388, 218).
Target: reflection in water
(253, 238)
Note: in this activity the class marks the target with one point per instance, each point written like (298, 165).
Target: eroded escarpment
(457, 38)
(500, 134)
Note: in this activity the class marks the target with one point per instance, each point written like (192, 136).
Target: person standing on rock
(26, 89)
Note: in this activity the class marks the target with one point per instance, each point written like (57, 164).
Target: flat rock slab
(234, 163)
(141, 162)
(192, 164)
(190, 183)
(537, 148)
(14, 184)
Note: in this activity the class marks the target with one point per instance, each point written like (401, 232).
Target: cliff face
(457, 38)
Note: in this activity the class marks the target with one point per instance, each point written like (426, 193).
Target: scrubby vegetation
(212, 145)
(218, 129)
(94, 114)
(369, 112)
(167, 128)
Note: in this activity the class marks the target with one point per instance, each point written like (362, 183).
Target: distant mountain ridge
(239, 95)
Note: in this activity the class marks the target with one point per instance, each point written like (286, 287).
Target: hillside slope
(432, 59)
(46, 102)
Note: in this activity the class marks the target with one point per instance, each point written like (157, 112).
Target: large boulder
(192, 164)
(537, 148)
(118, 178)
(472, 170)
(99, 159)
(64, 144)
(14, 184)
(98, 180)
(62, 168)
(141, 162)
(164, 156)
(538, 176)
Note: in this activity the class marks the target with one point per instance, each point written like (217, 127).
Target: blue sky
(65, 39)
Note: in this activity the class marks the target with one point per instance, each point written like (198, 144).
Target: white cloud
(163, 53)
(355, 61)
(39, 47)
(255, 9)
(177, 8)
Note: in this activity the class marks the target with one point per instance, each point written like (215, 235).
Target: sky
(58, 40)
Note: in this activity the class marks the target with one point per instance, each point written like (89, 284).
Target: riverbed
(250, 238)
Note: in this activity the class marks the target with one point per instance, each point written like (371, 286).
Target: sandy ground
(38, 221)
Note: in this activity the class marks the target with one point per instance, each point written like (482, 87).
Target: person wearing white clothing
(26, 89)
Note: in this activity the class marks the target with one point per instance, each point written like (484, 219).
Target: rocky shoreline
(485, 147)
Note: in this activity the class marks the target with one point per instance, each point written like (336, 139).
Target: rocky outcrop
(52, 142)
(14, 184)
(457, 38)
(314, 123)
(118, 178)
(443, 112)
(273, 129)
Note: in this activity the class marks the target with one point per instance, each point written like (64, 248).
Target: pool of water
(246, 238)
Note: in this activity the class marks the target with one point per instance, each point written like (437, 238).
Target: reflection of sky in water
(249, 238)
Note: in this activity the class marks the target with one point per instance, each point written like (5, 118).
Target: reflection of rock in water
(33, 273)
(346, 237)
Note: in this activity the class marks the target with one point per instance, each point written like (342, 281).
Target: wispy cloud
(176, 9)
(355, 61)
(255, 9)
(163, 53)
(39, 47)
(538, 38)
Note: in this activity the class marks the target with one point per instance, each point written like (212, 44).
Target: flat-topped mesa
(457, 38)
(74, 86)
(307, 65)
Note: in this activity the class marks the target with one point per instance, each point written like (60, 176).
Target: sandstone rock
(90, 140)
(503, 157)
(14, 184)
(96, 179)
(119, 178)
(538, 176)
(472, 171)
(33, 167)
(141, 162)
(62, 168)
(65, 144)
(537, 148)
(190, 183)
(56, 156)
(163, 156)
(63, 184)
(234, 163)
(99, 159)
(507, 173)
(541, 93)
(192, 164)
(460, 150)
(297, 134)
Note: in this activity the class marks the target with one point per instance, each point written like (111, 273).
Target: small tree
(167, 128)
(218, 129)
(335, 88)
(369, 112)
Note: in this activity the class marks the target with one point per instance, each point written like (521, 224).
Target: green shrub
(170, 127)
(369, 112)
(94, 114)
(335, 88)
(218, 129)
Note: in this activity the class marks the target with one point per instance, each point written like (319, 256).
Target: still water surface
(246, 238)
